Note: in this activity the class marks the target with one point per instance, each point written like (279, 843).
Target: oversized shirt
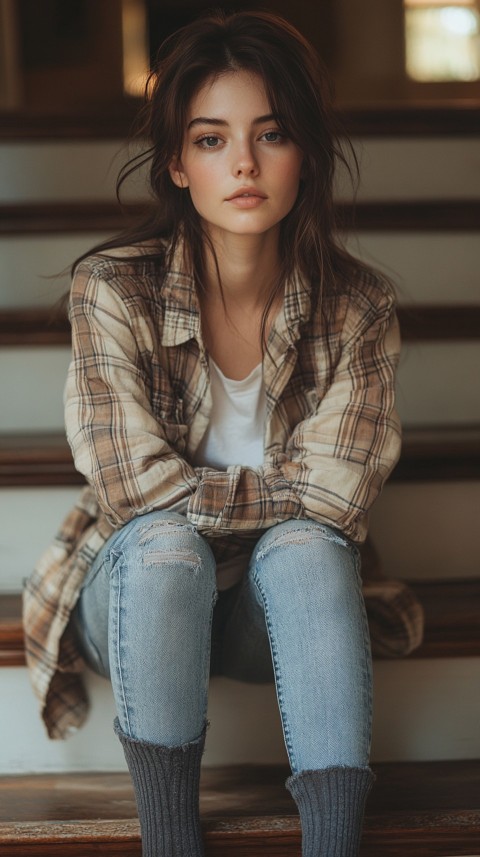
(137, 403)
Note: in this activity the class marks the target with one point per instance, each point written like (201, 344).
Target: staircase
(420, 221)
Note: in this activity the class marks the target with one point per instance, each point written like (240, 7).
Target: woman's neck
(248, 266)
(233, 310)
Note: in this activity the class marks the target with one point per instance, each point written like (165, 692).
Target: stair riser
(425, 167)
(421, 530)
(426, 370)
(423, 264)
(71, 849)
(424, 710)
(439, 844)
(428, 530)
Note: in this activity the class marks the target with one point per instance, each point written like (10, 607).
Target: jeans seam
(367, 684)
(286, 730)
(118, 667)
(207, 655)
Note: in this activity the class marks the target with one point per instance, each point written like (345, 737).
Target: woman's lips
(246, 199)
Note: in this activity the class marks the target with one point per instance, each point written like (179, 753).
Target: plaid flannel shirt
(137, 402)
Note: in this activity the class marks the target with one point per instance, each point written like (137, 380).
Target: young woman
(231, 404)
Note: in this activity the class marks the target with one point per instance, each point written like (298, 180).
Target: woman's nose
(245, 162)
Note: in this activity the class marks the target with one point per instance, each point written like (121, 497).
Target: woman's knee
(164, 545)
(307, 553)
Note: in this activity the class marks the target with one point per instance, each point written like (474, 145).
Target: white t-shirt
(235, 432)
(234, 436)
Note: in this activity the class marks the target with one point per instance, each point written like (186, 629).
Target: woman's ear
(177, 175)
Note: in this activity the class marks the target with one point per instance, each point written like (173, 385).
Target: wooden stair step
(427, 809)
(418, 323)
(451, 610)
(431, 453)
(36, 459)
(54, 218)
(460, 118)
(438, 453)
(12, 650)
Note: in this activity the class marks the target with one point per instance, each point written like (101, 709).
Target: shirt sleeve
(337, 460)
(117, 442)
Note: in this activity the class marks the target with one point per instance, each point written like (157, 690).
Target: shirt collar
(182, 310)
(296, 308)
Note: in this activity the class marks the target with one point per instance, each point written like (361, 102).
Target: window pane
(442, 42)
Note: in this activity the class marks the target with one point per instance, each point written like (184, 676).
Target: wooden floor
(416, 810)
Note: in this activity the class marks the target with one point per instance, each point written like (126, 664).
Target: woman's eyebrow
(210, 120)
(205, 120)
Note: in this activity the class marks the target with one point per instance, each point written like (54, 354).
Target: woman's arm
(117, 443)
(337, 460)
(334, 468)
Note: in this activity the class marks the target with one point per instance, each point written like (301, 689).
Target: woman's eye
(274, 136)
(207, 142)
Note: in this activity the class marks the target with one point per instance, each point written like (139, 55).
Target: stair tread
(27, 218)
(412, 802)
(429, 452)
(40, 326)
(11, 633)
(451, 610)
(457, 119)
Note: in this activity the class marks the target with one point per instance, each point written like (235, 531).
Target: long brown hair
(299, 93)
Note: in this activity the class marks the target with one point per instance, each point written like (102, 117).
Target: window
(442, 40)
(135, 47)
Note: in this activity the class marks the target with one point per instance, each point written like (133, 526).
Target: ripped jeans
(150, 618)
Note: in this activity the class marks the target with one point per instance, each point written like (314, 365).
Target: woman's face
(242, 172)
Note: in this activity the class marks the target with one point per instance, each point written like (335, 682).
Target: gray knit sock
(331, 803)
(166, 784)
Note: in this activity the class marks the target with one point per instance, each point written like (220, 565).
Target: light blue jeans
(150, 618)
